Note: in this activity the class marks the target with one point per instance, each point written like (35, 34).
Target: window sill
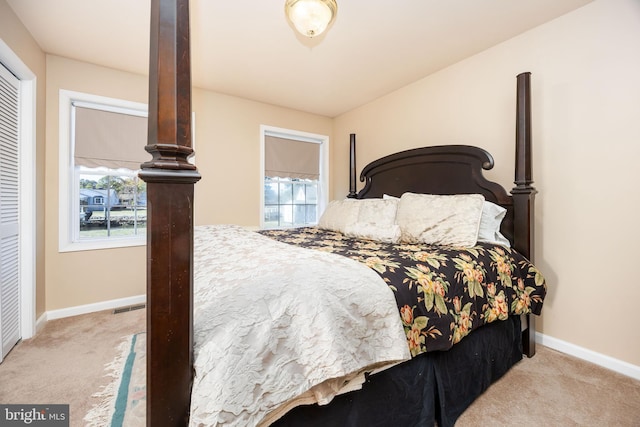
(94, 245)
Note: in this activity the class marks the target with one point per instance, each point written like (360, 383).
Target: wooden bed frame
(170, 185)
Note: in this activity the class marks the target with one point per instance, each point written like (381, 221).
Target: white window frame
(68, 214)
(323, 182)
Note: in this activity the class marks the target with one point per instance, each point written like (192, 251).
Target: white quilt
(276, 326)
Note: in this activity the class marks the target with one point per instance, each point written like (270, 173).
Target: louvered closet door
(9, 213)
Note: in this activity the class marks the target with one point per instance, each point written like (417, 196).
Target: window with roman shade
(291, 181)
(107, 151)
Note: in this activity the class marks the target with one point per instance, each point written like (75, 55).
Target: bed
(327, 327)
(422, 389)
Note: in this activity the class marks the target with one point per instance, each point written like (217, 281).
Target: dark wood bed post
(352, 167)
(524, 193)
(170, 182)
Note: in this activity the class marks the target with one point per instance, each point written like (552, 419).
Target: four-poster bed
(442, 170)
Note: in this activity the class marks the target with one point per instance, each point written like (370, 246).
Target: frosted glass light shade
(311, 17)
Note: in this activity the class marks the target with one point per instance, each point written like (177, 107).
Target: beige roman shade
(289, 158)
(108, 139)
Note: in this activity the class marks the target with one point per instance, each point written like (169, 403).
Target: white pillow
(492, 216)
(376, 221)
(451, 220)
(339, 214)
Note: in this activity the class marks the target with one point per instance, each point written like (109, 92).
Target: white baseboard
(92, 308)
(599, 359)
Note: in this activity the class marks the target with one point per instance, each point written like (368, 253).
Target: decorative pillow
(492, 216)
(440, 220)
(338, 214)
(381, 212)
(376, 221)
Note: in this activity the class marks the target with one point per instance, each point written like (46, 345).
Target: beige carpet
(65, 363)
(553, 389)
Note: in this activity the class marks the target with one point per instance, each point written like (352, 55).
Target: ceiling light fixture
(311, 17)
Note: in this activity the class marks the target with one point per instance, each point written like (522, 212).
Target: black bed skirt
(431, 389)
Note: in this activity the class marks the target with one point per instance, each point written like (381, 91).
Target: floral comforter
(442, 293)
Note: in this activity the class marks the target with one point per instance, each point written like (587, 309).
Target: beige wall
(227, 145)
(227, 136)
(586, 107)
(18, 39)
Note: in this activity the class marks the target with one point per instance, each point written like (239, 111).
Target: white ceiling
(246, 48)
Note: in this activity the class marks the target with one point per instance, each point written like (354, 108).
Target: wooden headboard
(443, 169)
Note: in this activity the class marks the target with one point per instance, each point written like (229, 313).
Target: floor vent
(129, 308)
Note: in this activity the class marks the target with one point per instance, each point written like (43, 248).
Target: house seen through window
(111, 205)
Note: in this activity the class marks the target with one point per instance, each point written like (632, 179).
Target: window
(294, 177)
(102, 200)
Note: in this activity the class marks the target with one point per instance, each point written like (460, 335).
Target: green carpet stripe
(123, 390)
